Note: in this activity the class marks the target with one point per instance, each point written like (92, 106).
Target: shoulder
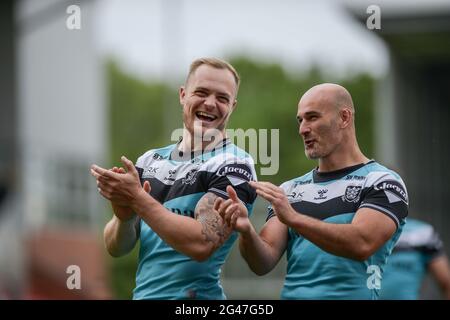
(154, 155)
(381, 178)
(375, 171)
(304, 180)
(232, 151)
(421, 228)
(419, 234)
(231, 158)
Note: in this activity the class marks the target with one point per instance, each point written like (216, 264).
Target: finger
(98, 175)
(225, 204)
(104, 193)
(253, 184)
(265, 195)
(231, 209)
(227, 217)
(232, 194)
(217, 203)
(233, 220)
(229, 213)
(263, 184)
(105, 187)
(264, 190)
(103, 172)
(105, 180)
(146, 186)
(95, 174)
(268, 185)
(128, 164)
(257, 184)
(118, 170)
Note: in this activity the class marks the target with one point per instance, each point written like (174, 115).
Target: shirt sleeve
(433, 247)
(387, 195)
(236, 174)
(140, 164)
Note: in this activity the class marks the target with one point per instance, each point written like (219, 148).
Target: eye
(201, 93)
(223, 99)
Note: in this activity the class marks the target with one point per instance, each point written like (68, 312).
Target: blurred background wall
(53, 128)
(73, 97)
(413, 105)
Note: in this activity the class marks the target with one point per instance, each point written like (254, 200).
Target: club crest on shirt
(190, 177)
(352, 193)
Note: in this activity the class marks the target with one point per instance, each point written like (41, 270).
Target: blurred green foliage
(142, 115)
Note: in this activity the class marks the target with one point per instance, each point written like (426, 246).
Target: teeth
(204, 114)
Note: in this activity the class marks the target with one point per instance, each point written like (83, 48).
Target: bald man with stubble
(337, 223)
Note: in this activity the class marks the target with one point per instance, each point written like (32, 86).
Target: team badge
(352, 194)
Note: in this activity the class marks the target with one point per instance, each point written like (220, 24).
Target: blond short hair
(215, 63)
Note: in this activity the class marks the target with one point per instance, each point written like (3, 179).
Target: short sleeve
(433, 246)
(140, 163)
(236, 174)
(387, 195)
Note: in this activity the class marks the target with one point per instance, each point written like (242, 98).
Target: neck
(345, 155)
(190, 143)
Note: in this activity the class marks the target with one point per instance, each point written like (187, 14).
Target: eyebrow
(309, 113)
(208, 90)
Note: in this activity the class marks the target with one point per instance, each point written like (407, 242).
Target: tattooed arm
(197, 238)
(215, 232)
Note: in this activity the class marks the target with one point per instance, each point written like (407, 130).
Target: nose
(210, 102)
(304, 129)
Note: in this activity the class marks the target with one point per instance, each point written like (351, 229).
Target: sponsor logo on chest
(321, 194)
(150, 172)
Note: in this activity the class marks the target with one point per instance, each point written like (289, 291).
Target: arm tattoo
(213, 228)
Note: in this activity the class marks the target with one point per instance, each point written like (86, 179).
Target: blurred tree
(268, 99)
(136, 113)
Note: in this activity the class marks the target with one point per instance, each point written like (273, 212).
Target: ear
(182, 94)
(346, 116)
(234, 105)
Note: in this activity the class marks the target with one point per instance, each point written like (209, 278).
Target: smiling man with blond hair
(167, 200)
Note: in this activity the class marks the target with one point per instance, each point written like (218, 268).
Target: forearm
(343, 240)
(182, 233)
(120, 236)
(440, 269)
(257, 253)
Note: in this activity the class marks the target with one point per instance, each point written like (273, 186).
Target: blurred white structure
(53, 127)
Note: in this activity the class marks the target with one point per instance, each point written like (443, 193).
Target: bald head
(329, 94)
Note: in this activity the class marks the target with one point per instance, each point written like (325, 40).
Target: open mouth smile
(204, 116)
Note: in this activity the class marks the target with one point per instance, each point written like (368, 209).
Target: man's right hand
(233, 212)
(121, 212)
